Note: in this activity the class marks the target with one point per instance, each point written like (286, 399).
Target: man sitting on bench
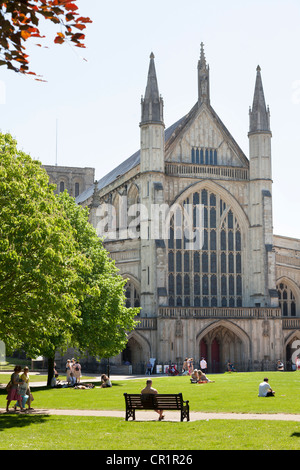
(149, 390)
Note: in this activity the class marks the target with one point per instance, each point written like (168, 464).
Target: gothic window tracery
(212, 275)
(204, 156)
(132, 295)
(287, 301)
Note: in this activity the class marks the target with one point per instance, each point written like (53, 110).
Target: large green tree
(58, 286)
(40, 288)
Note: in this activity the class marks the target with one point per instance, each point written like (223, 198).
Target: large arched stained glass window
(212, 275)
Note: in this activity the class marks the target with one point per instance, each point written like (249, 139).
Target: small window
(76, 189)
(61, 187)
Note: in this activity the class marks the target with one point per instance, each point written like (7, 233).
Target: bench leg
(185, 414)
(130, 414)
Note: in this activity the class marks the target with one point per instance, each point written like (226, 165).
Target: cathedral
(226, 289)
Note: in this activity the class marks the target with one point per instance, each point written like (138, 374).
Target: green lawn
(235, 392)
(89, 433)
(5, 377)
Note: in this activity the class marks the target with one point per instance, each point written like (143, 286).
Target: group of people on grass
(73, 372)
(18, 389)
(198, 377)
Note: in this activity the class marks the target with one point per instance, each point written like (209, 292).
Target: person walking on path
(24, 390)
(149, 390)
(190, 366)
(13, 393)
(203, 365)
(185, 367)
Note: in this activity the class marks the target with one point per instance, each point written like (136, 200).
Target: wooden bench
(156, 402)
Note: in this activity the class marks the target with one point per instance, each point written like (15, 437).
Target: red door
(203, 349)
(215, 356)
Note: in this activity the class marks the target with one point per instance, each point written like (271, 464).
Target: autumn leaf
(25, 34)
(19, 21)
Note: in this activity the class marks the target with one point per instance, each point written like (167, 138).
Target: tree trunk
(50, 370)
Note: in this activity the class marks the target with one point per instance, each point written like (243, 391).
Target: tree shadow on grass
(9, 421)
(295, 434)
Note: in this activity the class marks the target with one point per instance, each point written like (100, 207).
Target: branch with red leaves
(19, 21)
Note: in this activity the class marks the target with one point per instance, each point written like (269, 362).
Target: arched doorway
(292, 349)
(136, 353)
(222, 342)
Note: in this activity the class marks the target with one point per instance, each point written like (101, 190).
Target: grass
(5, 377)
(90, 433)
(235, 392)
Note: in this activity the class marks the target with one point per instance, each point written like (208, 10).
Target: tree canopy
(39, 285)
(58, 286)
(20, 20)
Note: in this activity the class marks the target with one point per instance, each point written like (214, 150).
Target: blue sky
(96, 103)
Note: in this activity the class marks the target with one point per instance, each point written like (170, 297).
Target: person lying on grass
(202, 379)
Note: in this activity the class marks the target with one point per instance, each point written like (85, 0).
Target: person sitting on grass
(194, 377)
(202, 379)
(105, 381)
(230, 367)
(265, 390)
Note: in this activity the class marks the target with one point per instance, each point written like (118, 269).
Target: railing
(219, 312)
(150, 323)
(125, 256)
(290, 323)
(211, 171)
(146, 323)
(282, 259)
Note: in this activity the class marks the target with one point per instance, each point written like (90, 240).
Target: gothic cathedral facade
(236, 295)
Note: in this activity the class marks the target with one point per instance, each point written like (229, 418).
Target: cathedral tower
(260, 199)
(152, 174)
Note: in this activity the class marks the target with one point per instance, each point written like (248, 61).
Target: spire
(203, 78)
(152, 103)
(259, 114)
(202, 62)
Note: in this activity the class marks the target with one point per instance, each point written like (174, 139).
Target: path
(151, 416)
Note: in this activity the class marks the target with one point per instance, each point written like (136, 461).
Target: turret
(259, 134)
(152, 103)
(203, 79)
(152, 125)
